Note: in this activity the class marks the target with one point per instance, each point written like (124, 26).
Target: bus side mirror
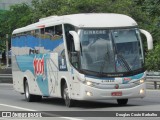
(76, 40)
(149, 39)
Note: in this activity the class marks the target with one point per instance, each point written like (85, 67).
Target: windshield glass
(111, 51)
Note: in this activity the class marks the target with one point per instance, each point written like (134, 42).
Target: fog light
(88, 93)
(141, 91)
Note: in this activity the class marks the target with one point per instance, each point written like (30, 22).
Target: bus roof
(86, 20)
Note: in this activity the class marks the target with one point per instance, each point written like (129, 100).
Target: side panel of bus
(38, 58)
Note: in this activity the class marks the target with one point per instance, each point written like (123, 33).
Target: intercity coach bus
(92, 56)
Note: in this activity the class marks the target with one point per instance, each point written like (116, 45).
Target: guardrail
(6, 78)
(155, 80)
(5, 75)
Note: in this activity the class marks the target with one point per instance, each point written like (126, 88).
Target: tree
(45, 8)
(3, 17)
(18, 16)
(153, 58)
(152, 8)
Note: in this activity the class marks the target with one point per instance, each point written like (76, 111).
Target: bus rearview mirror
(149, 38)
(76, 40)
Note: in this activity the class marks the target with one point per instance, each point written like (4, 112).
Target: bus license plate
(116, 93)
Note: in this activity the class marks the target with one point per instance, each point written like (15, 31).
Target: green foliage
(18, 16)
(45, 8)
(153, 58)
(152, 8)
(2, 33)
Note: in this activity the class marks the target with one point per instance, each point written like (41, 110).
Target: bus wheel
(67, 100)
(122, 101)
(29, 97)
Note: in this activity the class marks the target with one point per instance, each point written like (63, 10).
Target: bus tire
(122, 101)
(68, 102)
(29, 97)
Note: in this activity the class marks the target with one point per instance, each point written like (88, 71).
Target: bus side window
(42, 30)
(69, 38)
(58, 30)
(50, 30)
(37, 31)
(70, 45)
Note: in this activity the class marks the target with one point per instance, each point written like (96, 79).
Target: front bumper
(91, 93)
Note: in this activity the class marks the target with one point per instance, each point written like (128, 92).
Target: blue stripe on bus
(32, 42)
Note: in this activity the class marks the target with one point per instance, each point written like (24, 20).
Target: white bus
(80, 57)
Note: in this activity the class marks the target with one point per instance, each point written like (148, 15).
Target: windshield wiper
(119, 56)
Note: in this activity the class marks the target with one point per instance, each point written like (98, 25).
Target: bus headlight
(141, 81)
(89, 83)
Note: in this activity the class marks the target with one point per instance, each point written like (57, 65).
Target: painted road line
(48, 114)
(21, 108)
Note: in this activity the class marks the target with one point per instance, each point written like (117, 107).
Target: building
(5, 4)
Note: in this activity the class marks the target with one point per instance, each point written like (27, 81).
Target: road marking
(70, 118)
(21, 108)
(26, 109)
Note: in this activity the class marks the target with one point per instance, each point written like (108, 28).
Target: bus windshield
(111, 51)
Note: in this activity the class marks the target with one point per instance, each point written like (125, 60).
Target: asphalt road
(11, 100)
